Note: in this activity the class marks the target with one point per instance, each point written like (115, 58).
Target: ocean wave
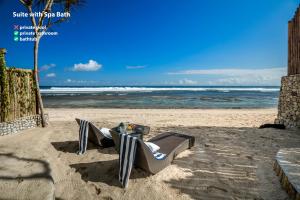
(151, 89)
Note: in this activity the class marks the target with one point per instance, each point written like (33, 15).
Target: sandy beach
(232, 158)
(218, 83)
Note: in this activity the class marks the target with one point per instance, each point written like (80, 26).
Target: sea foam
(151, 89)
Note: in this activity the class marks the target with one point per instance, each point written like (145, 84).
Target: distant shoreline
(161, 97)
(124, 108)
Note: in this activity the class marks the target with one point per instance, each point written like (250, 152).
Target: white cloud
(187, 82)
(136, 67)
(47, 67)
(231, 72)
(90, 66)
(80, 81)
(51, 75)
(265, 76)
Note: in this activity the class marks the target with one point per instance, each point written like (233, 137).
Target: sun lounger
(171, 144)
(97, 137)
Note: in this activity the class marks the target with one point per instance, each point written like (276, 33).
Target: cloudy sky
(170, 42)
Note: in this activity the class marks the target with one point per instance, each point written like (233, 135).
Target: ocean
(160, 97)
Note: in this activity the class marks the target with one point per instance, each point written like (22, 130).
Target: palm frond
(65, 5)
(26, 2)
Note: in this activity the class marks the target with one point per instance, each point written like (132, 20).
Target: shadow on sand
(232, 163)
(102, 171)
(225, 163)
(105, 172)
(72, 147)
(43, 172)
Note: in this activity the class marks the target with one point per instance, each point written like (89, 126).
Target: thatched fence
(18, 99)
(18, 92)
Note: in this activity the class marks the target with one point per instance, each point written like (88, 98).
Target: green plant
(4, 88)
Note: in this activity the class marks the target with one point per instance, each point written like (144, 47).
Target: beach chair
(97, 137)
(171, 144)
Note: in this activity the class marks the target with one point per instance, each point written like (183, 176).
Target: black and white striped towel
(127, 154)
(159, 156)
(83, 136)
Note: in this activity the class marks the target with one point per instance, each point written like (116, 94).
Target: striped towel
(83, 136)
(159, 156)
(127, 154)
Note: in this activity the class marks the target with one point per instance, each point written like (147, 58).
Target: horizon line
(160, 86)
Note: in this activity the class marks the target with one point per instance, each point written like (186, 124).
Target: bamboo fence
(17, 92)
(294, 44)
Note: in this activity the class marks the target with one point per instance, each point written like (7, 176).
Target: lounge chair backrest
(143, 153)
(126, 158)
(116, 138)
(97, 137)
(83, 136)
(92, 136)
(144, 156)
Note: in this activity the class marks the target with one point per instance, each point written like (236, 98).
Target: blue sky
(170, 42)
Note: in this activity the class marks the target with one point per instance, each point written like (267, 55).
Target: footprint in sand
(107, 198)
(249, 157)
(212, 188)
(98, 190)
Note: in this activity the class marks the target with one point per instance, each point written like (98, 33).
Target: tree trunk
(39, 97)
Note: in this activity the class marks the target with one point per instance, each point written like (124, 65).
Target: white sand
(171, 117)
(232, 159)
